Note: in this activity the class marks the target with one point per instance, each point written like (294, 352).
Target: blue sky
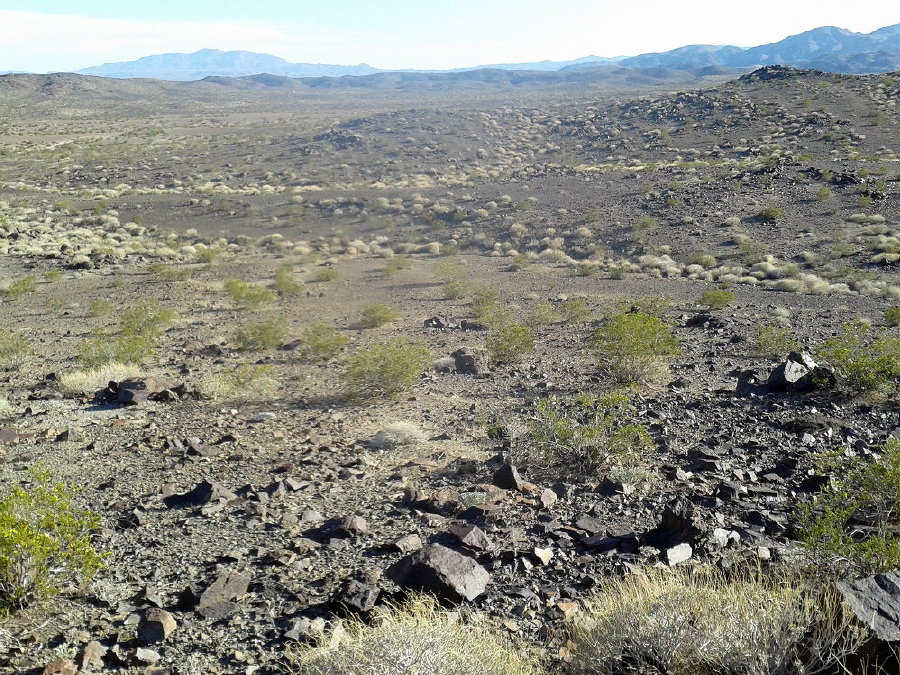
(49, 35)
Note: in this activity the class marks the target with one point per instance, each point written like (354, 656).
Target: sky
(61, 35)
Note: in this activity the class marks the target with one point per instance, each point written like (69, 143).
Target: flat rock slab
(876, 602)
(440, 570)
(216, 602)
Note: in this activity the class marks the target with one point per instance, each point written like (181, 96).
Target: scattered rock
(440, 570)
(92, 656)
(472, 537)
(408, 544)
(61, 667)
(155, 626)
(508, 478)
(876, 602)
(216, 602)
(203, 493)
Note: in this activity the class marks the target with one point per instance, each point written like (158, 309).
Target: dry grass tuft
(414, 638)
(397, 435)
(92, 379)
(698, 622)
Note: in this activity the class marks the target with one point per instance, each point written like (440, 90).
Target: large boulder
(446, 573)
(876, 602)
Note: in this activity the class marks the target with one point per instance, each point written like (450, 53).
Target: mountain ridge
(826, 48)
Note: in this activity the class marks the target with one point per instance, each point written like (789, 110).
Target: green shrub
(284, 283)
(863, 364)
(824, 194)
(247, 382)
(644, 226)
(320, 342)
(261, 335)
(100, 307)
(698, 621)
(14, 349)
(509, 342)
(249, 296)
(716, 299)
(892, 316)
(327, 274)
(455, 289)
(45, 543)
(147, 318)
(170, 272)
(855, 520)
(585, 433)
(485, 302)
(20, 287)
(209, 256)
(519, 262)
(126, 349)
(634, 347)
(374, 316)
(385, 369)
(395, 264)
(53, 276)
(774, 340)
(415, 638)
(770, 214)
(542, 315)
(575, 310)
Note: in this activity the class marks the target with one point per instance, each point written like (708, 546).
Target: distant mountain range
(826, 48)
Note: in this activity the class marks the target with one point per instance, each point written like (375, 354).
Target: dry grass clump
(247, 382)
(92, 379)
(698, 622)
(6, 408)
(397, 435)
(413, 638)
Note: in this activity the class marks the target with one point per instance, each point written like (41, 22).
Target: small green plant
(395, 265)
(855, 519)
(100, 307)
(384, 370)
(45, 543)
(863, 364)
(585, 433)
(824, 194)
(170, 272)
(147, 318)
(249, 296)
(486, 303)
(377, 315)
(284, 283)
(209, 256)
(644, 226)
(509, 342)
(716, 299)
(20, 287)
(455, 289)
(519, 262)
(634, 347)
(320, 342)
(261, 335)
(543, 314)
(772, 340)
(892, 316)
(575, 311)
(327, 274)
(770, 214)
(53, 276)
(135, 340)
(14, 349)
(247, 382)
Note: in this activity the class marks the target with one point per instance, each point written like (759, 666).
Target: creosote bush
(699, 622)
(327, 274)
(864, 364)
(320, 342)
(377, 315)
(770, 214)
(385, 369)
(170, 272)
(20, 287)
(417, 637)
(260, 335)
(575, 311)
(135, 340)
(855, 520)
(892, 316)
(247, 382)
(285, 284)
(773, 340)
(249, 296)
(634, 347)
(586, 433)
(14, 349)
(716, 299)
(45, 543)
(509, 342)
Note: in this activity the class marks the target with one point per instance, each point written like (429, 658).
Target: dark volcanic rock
(446, 573)
(876, 602)
(357, 595)
(203, 493)
(680, 524)
(508, 478)
(790, 371)
(217, 601)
